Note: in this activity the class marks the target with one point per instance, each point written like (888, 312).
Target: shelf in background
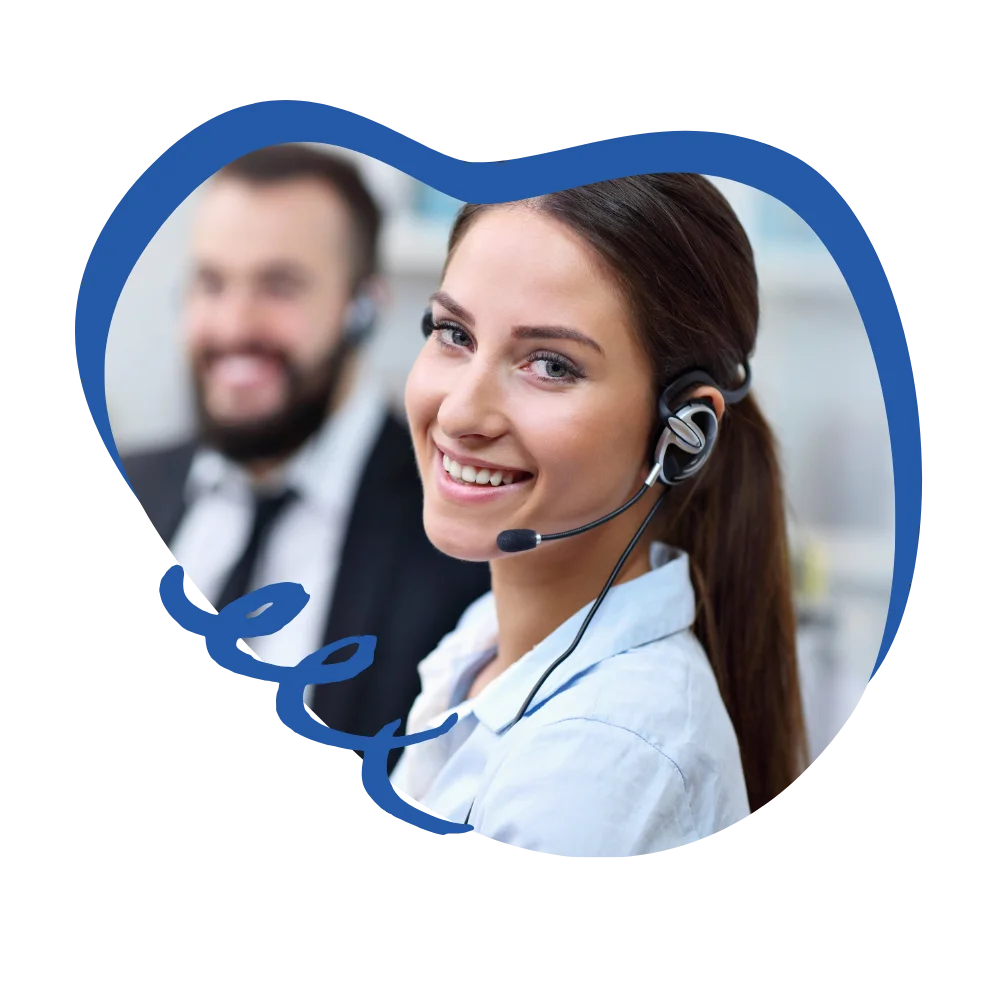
(847, 560)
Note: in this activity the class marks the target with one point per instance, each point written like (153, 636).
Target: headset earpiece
(427, 323)
(360, 319)
(686, 441)
(689, 431)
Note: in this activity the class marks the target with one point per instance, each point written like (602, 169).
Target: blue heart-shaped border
(193, 159)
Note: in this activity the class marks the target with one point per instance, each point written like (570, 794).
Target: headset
(360, 320)
(689, 430)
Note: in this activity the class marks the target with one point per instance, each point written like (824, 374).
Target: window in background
(433, 206)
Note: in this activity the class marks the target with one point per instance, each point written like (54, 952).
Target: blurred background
(814, 376)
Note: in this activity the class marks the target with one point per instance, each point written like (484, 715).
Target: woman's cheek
(415, 399)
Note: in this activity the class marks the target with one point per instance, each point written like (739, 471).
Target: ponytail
(731, 522)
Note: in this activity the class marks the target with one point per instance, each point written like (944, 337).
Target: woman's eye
(554, 368)
(452, 335)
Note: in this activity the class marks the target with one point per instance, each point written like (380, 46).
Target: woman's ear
(712, 395)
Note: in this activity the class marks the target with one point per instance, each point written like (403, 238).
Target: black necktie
(266, 510)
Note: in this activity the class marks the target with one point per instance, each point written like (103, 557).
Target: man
(299, 471)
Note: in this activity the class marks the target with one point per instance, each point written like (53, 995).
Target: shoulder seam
(624, 729)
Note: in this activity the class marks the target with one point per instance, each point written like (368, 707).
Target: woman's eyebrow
(521, 332)
(453, 307)
(555, 333)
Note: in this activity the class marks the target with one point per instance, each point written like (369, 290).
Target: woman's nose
(473, 404)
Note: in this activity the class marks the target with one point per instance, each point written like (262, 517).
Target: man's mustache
(209, 355)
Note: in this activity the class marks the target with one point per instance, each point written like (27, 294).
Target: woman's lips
(478, 463)
(489, 484)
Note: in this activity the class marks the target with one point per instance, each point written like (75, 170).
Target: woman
(538, 403)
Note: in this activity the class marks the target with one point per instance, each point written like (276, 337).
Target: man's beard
(281, 433)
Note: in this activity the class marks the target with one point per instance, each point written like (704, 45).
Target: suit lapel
(158, 480)
(371, 541)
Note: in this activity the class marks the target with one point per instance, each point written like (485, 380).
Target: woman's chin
(460, 541)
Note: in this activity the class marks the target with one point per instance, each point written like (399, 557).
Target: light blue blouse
(627, 748)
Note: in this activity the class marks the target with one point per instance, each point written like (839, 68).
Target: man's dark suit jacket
(392, 583)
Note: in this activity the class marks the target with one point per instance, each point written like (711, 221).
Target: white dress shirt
(305, 542)
(627, 747)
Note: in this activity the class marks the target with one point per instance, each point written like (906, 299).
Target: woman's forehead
(514, 258)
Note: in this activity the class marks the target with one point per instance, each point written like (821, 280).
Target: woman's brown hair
(685, 269)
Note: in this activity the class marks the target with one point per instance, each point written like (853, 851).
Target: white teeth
(242, 370)
(475, 474)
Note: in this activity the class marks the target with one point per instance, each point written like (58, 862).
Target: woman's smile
(463, 479)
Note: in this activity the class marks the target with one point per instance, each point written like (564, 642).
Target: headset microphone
(524, 539)
(682, 431)
(684, 445)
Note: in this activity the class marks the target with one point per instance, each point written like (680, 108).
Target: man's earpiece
(360, 320)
